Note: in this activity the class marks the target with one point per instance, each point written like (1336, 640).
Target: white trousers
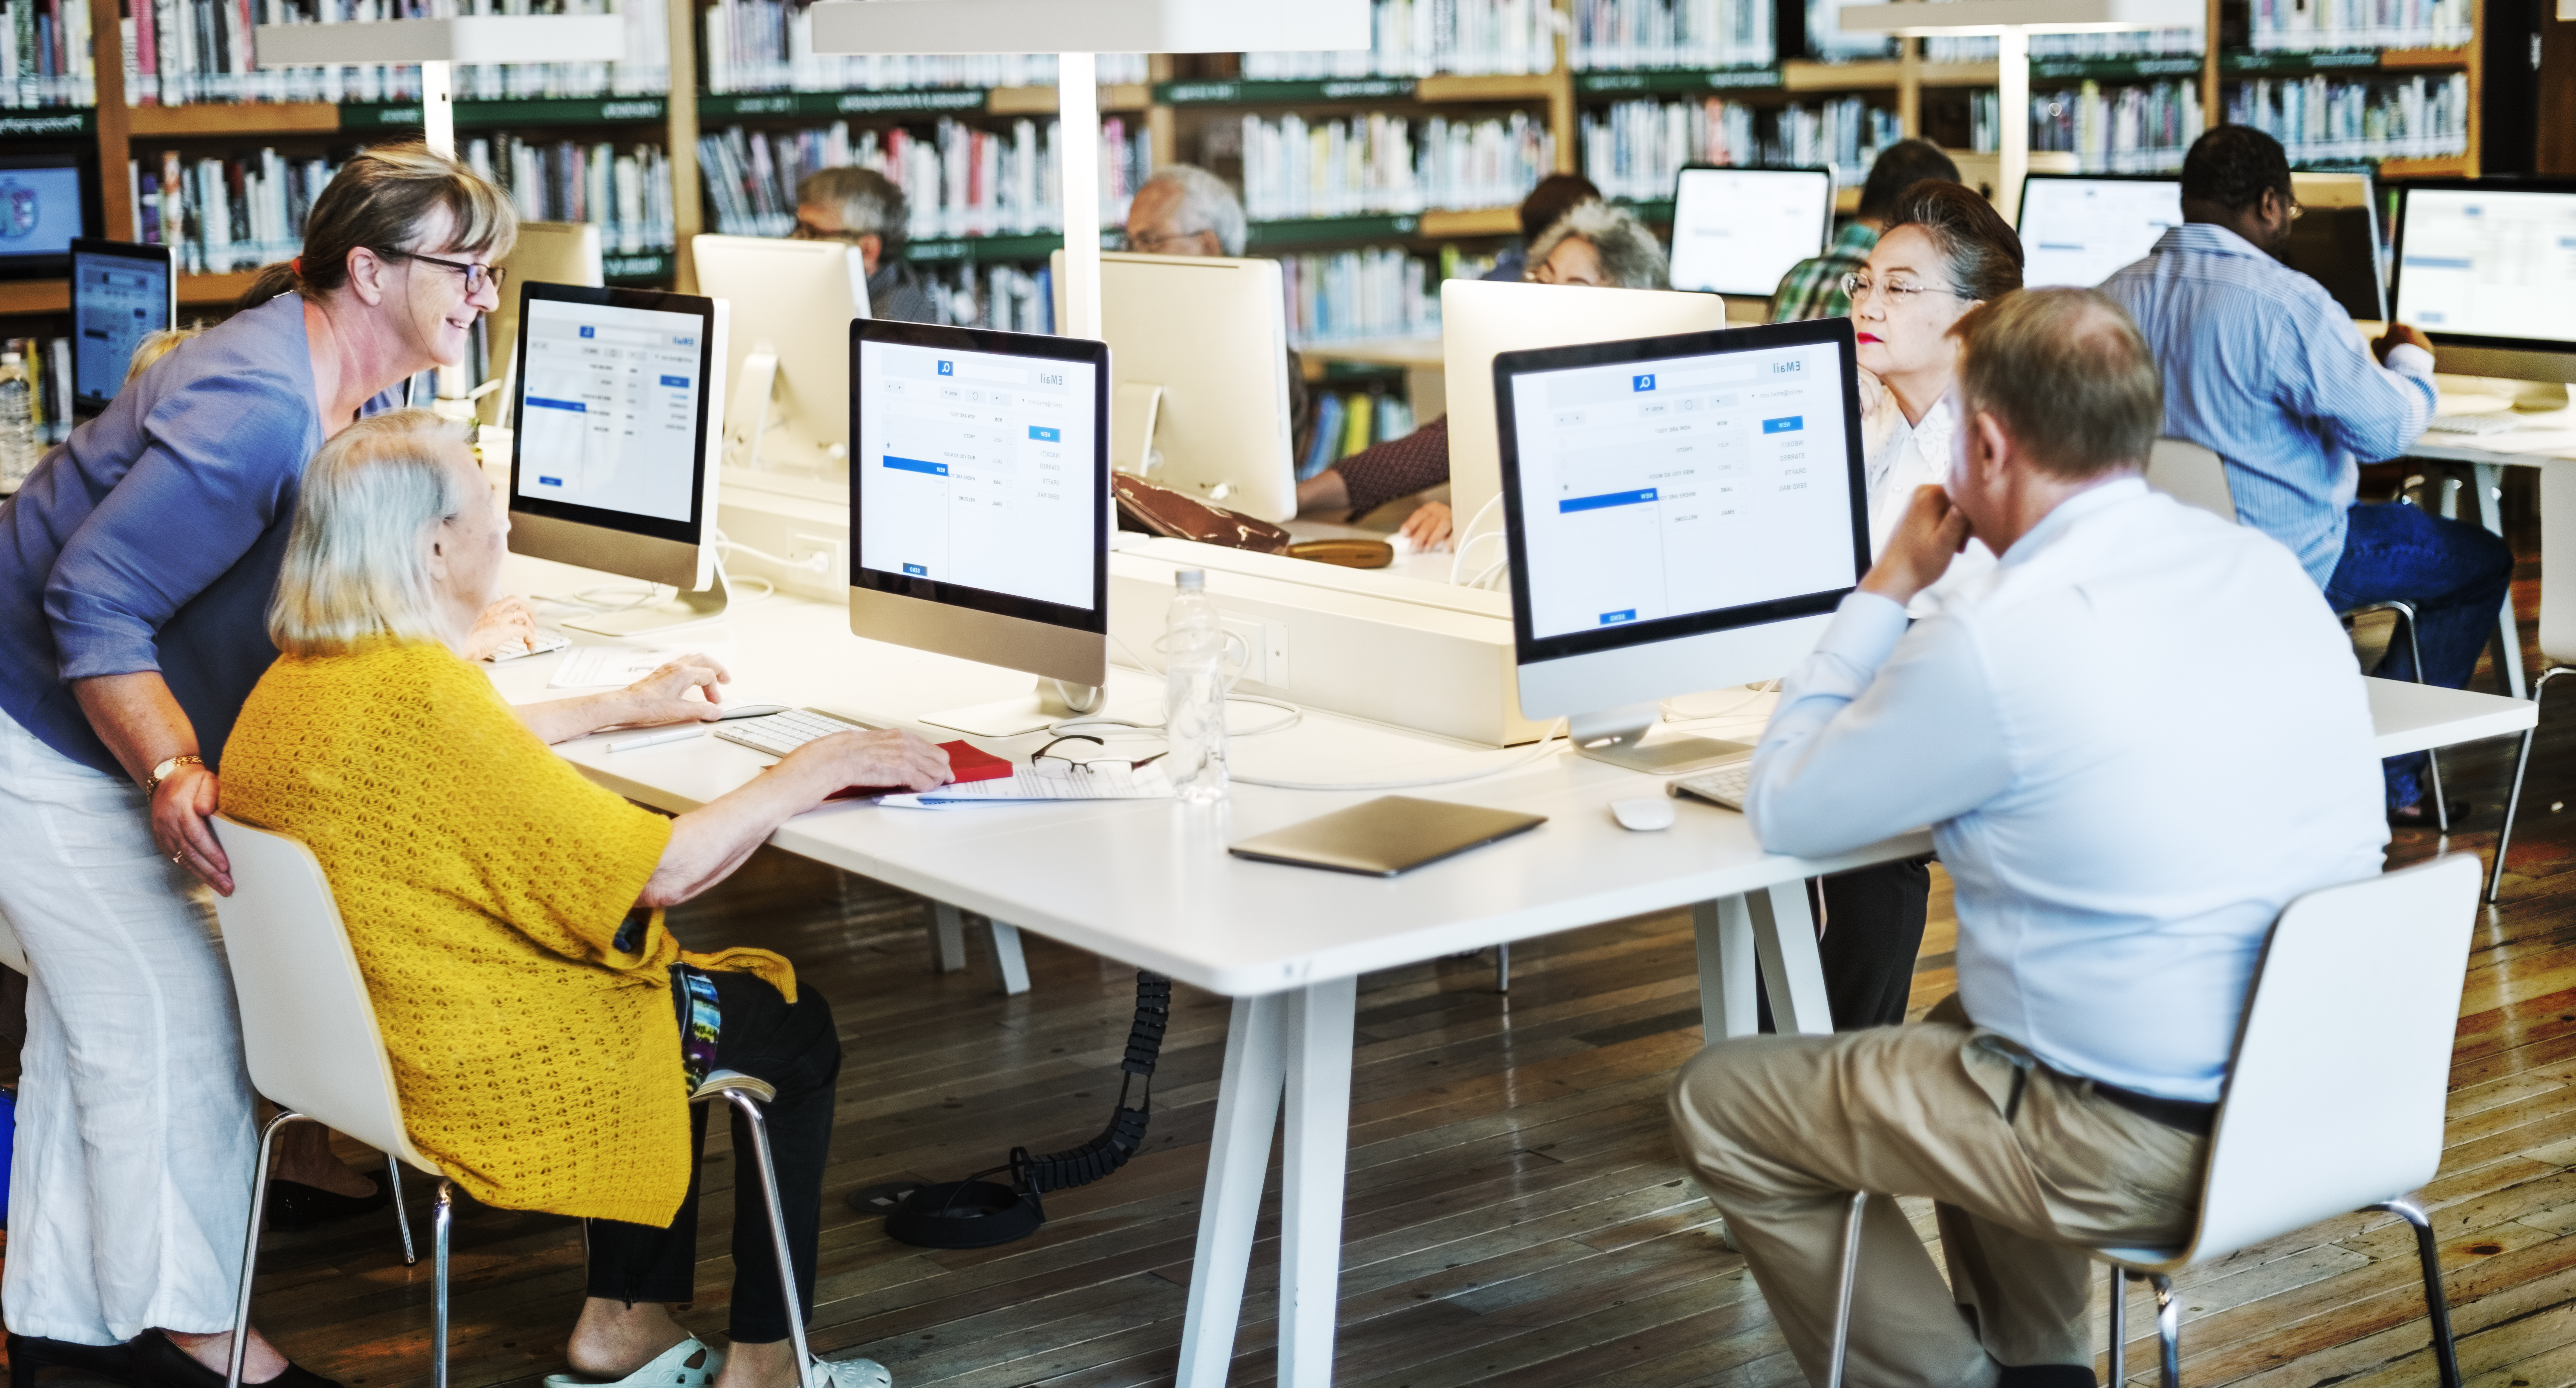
(131, 1185)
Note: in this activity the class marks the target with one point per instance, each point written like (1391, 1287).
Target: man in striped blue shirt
(2261, 367)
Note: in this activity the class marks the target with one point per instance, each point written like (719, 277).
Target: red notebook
(966, 762)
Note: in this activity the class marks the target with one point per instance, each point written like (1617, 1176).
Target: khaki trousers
(1781, 1129)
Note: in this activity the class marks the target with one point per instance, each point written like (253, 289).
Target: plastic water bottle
(18, 451)
(1194, 691)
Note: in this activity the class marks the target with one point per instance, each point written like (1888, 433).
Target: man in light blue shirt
(2263, 368)
(2137, 739)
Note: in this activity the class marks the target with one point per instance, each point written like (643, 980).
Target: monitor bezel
(160, 254)
(2021, 207)
(50, 154)
(992, 342)
(1823, 240)
(1531, 649)
(688, 532)
(2406, 189)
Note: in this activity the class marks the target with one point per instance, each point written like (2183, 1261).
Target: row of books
(1384, 162)
(49, 373)
(625, 191)
(1018, 299)
(225, 214)
(1377, 292)
(768, 46)
(45, 54)
(2321, 118)
(958, 180)
(1416, 38)
(2135, 43)
(2143, 128)
(2311, 25)
(1616, 35)
(1347, 421)
(179, 52)
(1635, 149)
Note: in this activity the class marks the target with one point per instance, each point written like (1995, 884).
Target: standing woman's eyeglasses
(476, 276)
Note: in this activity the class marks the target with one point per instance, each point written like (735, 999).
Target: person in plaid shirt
(1813, 288)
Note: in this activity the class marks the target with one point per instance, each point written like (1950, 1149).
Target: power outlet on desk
(1264, 650)
(806, 546)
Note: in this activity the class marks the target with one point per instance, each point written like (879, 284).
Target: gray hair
(1629, 253)
(870, 203)
(357, 559)
(1207, 204)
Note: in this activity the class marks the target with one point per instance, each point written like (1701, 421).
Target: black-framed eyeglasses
(1048, 763)
(476, 276)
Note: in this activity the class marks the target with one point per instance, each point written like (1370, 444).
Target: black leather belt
(2181, 1114)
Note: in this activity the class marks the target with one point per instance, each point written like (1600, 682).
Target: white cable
(1544, 747)
(584, 599)
(1467, 535)
(1665, 709)
(818, 562)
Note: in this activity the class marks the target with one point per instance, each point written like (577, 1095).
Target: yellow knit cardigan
(483, 881)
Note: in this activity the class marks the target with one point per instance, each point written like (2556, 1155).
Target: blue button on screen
(948, 368)
(1641, 383)
(1790, 425)
(1040, 431)
(1612, 619)
(549, 481)
(676, 382)
(590, 332)
(916, 570)
(916, 465)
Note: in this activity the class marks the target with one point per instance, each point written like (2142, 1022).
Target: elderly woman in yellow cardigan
(545, 1028)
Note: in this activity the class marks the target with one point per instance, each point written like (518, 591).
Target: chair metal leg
(2521, 762)
(2168, 1329)
(1502, 968)
(2119, 1365)
(1843, 1294)
(2432, 758)
(402, 1216)
(442, 1221)
(777, 1234)
(250, 1244)
(2437, 1307)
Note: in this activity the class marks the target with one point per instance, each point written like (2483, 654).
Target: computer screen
(612, 406)
(120, 292)
(2493, 266)
(974, 469)
(1737, 231)
(43, 209)
(1691, 487)
(2079, 230)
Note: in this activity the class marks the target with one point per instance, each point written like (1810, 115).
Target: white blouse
(1896, 458)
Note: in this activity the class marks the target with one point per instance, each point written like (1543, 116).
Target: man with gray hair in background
(2113, 897)
(865, 209)
(1185, 210)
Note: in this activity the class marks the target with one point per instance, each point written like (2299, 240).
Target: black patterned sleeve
(1397, 467)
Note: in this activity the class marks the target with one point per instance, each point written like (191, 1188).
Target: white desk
(1150, 883)
(2539, 439)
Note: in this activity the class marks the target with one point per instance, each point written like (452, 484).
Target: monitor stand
(1051, 702)
(652, 619)
(1618, 736)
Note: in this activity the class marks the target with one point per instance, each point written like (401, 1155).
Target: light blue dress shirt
(2137, 738)
(2263, 368)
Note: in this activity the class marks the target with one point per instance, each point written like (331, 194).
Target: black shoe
(28, 1353)
(2048, 1376)
(2420, 816)
(158, 1363)
(294, 1207)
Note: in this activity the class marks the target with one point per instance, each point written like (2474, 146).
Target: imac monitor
(120, 292)
(1685, 513)
(612, 455)
(545, 253)
(2335, 242)
(789, 366)
(2488, 270)
(979, 496)
(47, 201)
(1737, 231)
(2079, 229)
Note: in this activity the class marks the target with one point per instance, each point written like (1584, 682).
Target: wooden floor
(1515, 1213)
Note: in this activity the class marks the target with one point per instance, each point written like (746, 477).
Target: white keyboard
(2473, 423)
(781, 733)
(547, 639)
(1722, 785)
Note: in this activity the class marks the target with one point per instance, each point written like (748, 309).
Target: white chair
(2197, 477)
(309, 1033)
(2557, 630)
(2335, 1094)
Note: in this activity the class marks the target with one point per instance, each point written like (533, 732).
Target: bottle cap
(1190, 580)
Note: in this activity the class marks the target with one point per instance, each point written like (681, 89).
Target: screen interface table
(2079, 231)
(608, 412)
(977, 468)
(1737, 231)
(115, 301)
(2489, 264)
(1682, 486)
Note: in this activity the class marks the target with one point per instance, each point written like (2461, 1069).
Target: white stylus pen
(676, 735)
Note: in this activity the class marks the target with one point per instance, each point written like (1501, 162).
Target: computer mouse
(751, 710)
(1643, 813)
(1401, 543)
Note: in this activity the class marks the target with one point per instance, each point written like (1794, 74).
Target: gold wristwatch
(169, 768)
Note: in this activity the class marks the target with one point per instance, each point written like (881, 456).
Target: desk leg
(2488, 478)
(1010, 967)
(1247, 1104)
(1318, 1155)
(947, 938)
(1784, 934)
(1726, 1003)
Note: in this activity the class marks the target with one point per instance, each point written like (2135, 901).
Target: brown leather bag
(1162, 511)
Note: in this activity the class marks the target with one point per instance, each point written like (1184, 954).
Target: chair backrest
(308, 1026)
(12, 953)
(2192, 475)
(2558, 586)
(2335, 1098)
